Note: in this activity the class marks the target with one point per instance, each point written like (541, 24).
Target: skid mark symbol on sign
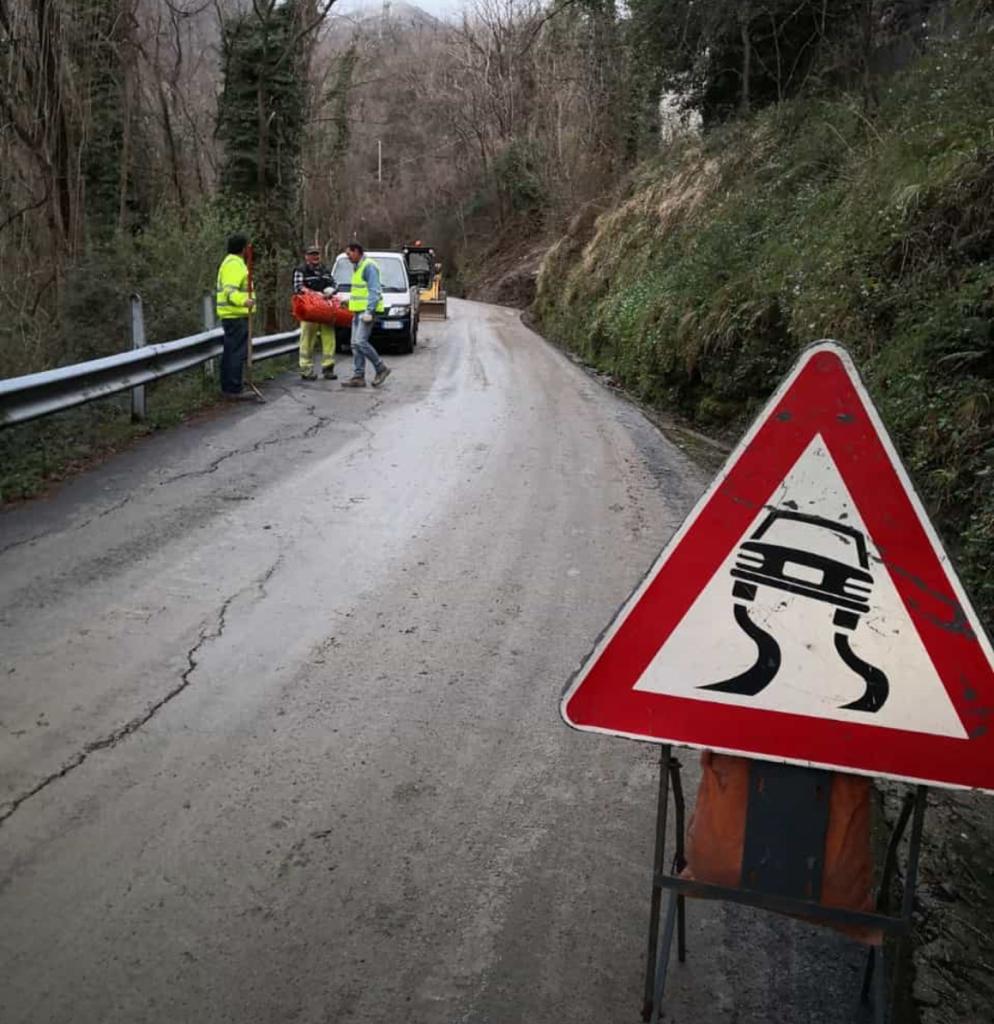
(761, 563)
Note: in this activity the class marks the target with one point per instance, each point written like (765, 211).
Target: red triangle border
(822, 395)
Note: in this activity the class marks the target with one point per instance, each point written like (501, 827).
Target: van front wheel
(410, 339)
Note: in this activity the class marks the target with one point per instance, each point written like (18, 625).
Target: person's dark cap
(312, 249)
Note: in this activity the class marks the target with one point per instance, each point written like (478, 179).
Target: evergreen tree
(262, 114)
(262, 109)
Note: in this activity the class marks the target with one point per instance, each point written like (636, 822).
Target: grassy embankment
(729, 254)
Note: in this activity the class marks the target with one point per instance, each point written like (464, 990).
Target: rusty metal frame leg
(679, 858)
(881, 1009)
(883, 896)
(875, 975)
(662, 808)
(903, 942)
(884, 964)
(663, 958)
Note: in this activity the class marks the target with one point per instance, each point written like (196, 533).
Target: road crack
(320, 422)
(34, 538)
(27, 540)
(206, 636)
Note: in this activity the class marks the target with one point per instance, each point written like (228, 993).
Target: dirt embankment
(506, 277)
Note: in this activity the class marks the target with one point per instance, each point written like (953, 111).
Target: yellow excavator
(426, 272)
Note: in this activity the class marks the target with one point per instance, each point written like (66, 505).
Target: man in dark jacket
(312, 275)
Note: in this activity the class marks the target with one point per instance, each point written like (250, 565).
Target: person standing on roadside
(365, 300)
(312, 275)
(234, 304)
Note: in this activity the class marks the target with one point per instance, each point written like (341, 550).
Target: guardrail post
(210, 367)
(137, 341)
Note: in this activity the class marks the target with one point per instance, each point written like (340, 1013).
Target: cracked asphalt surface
(279, 737)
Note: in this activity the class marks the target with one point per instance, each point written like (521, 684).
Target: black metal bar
(908, 896)
(883, 894)
(914, 853)
(881, 1009)
(681, 928)
(679, 858)
(890, 860)
(657, 873)
(663, 960)
(783, 904)
(864, 992)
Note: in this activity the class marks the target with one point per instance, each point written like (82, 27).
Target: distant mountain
(393, 19)
(398, 14)
(411, 14)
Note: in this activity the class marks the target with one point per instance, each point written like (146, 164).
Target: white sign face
(812, 677)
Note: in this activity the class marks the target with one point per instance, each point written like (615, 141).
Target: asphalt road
(279, 737)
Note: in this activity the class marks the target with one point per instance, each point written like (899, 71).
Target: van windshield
(392, 276)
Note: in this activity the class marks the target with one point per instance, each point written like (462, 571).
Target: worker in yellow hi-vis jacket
(234, 303)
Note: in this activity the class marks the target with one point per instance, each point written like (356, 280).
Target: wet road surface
(279, 737)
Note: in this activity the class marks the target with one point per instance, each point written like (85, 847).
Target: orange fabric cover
(314, 308)
(716, 834)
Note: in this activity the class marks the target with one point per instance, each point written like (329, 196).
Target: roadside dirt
(507, 276)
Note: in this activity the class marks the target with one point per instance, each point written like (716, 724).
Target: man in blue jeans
(365, 301)
(234, 303)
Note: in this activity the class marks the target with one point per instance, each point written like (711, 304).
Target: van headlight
(398, 311)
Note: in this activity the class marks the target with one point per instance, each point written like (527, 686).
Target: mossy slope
(731, 253)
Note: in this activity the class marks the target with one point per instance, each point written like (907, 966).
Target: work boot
(308, 375)
(329, 373)
(354, 382)
(381, 376)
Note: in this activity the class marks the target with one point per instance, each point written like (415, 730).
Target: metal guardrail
(40, 394)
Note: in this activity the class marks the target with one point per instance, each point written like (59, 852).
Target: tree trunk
(744, 18)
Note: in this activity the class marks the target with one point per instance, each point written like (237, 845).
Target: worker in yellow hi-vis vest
(365, 301)
(234, 303)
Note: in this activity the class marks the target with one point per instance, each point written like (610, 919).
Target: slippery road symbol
(810, 575)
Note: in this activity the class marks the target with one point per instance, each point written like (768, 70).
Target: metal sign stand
(781, 872)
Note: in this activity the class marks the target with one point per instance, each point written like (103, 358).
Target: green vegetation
(92, 316)
(820, 217)
(93, 320)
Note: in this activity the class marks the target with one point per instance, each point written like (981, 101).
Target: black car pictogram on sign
(808, 574)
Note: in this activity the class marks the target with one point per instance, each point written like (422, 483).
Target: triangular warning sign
(805, 611)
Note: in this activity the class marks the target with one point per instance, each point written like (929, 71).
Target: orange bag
(716, 834)
(314, 308)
